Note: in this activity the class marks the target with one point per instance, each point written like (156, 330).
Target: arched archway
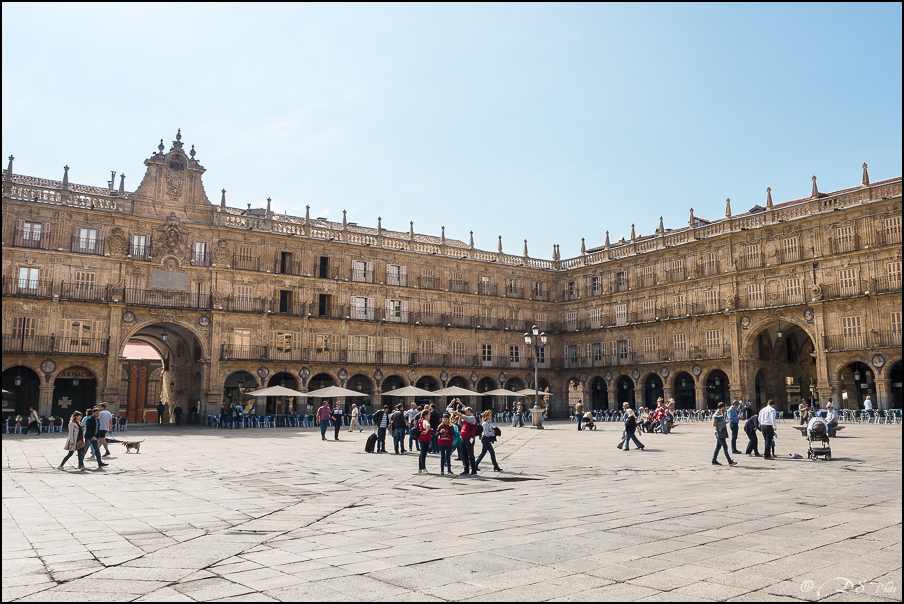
(235, 386)
(430, 384)
(599, 394)
(684, 392)
(575, 395)
(390, 383)
(24, 387)
(141, 385)
(319, 381)
(858, 382)
(75, 388)
(652, 390)
(364, 386)
(487, 402)
(282, 404)
(717, 390)
(895, 375)
(784, 351)
(625, 391)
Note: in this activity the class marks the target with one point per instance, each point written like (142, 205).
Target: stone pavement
(277, 514)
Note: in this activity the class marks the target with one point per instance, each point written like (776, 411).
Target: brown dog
(132, 444)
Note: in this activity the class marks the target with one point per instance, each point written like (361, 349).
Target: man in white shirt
(354, 422)
(768, 417)
(105, 420)
(868, 407)
(831, 418)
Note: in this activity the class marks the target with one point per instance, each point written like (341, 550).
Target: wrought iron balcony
(40, 240)
(84, 292)
(27, 288)
(53, 344)
(166, 299)
(93, 246)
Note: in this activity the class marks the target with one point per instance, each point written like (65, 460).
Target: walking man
(91, 429)
(177, 413)
(323, 416)
(397, 424)
(160, 410)
(337, 419)
(721, 435)
(381, 420)
(768, 417)
(105, 418)
(734, 418)
(579, 412)
(354, 422)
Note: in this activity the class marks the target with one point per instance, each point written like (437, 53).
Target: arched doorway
(625, 391)
(283, 404)
(236, 385)
(74, 389)
(430, 384)
(785, 351)
(24, 388)
(390, 383)
(685, 395)
(896, 379)
(652, 390)
(364, 387)
(761, 389)
(599, 394)
(319, 381)
(717, 390)
(139, 392)
(487, 402)
(858, 382)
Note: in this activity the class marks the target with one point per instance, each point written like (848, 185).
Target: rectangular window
(138, 246)
(361, 349)
(892, 229)
(427, 347)
(755, 295)
(621, 314)
(362, 308)
(753, 256)
(84, 285)
(428, 311)
(793, 290)
(676, 269)
(848, 280)
(515, 356)
(893, 271)
(845, 238)
(680, 341)
(458, 283)
(595, 322)
(624, 349)
(647, 276)
(709, 263)
(458, 350)
(396, 351)
(711, 300)
(539, 291)
(397, 311)
(396, 275)
(362, 272)
(649, 309)
(486, 353)
(512, 289)
(244, 297)
(596, 285)
(714, 341)
(850, 328)
(24, 327)
(241, 337)
(649, 344)
(427, 281)
(571, 290)
(199, 253)
(540, 318)
(896, 322)
(679, 305)
(283, 344)
(571, 353)
(484, 286)
(486, 317)
(790, 249)
(31, 234)
(621, 281)
(87, 241)
(571, 321)
(597, 352)
(458, 311)
(28, 278)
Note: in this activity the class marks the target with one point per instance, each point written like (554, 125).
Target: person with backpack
(488, 437)
(425, 436)
(469, 427)
(721, 432)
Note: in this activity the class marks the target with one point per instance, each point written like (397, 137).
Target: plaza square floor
(278, 514)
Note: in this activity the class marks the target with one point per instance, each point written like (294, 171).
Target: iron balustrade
(200, 258)
(400, 280)
(836, 291)
(166, 299)
(288, 308)
(541, 295)
(92, 246)
(708, 269)
(486, 289)
(462, 321)
(885, 285)
(461, 360)
(888, 237)
(428, 282)
(28, 288)
(323, 271)
(139, 252)
(31, 239)
(246, 263)
(489, 323)
(397, 316)
(750, 261)
(362, 276)
(246, 304)
(839, 245)
(428, 318)
(290, 267)
(84, 292)
(324, 355)
(570, 293)
(54, 344)
(395, 357)
(863, 341)
(357, 313)
(429, 359)
(514, 291)
(459, 286)
(365, 357)
(676, 275)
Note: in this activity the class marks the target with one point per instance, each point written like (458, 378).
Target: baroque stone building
(785, 301)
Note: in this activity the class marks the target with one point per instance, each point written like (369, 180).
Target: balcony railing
(200, 259)
(428, 282)
(888, 237)
(166, 299)
(541, 295)
(676, 275)
(461, 321)
(708, 269)
(486, 289)
(400, 280)
(362, 276)
(460, 287)
(357, 313)
(319, 355)
(838, 245)
(771, 299)
(570, 293)
(31, 239)
(93, 246)
(394, 357)
(365, 357)
(514, 291)
(428, 318)
(428, 359)
(53, 344)
(84, 292)
(838, 291)
(139, 252)
(28, 288)
(863, 341)
(246, 304)
(397, 316)
(290, 267)
(888, 284)
(325, 272)
(461, 360)
(246, 263)
(749, 261)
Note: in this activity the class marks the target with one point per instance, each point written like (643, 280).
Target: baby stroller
(588, 423)
(818, 439)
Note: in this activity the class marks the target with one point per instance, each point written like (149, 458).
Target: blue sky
(540, 122)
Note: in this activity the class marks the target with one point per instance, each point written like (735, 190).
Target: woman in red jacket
(468, 429)
(425, 436)
(445, 440)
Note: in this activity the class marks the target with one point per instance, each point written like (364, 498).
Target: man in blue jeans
(734, 417)
(92, 425)
(323, 416)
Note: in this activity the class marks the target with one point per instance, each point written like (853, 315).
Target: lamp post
(534, 339)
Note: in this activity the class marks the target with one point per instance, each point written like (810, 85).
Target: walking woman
(456, 444)
(446, 440)
(468, 430)
(487, 439)
(424, 437)
(34, 421)
(75, 443)
(721, 435)
(630, 429)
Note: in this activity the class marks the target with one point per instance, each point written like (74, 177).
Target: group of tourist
(88, 432)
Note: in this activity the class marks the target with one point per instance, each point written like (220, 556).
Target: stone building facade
(783, 301)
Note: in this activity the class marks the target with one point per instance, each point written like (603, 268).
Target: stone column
(613, 399)
(883, 393)
(638, 397)
(45, 402)
(700, 394)
(667, 391)
(377, 402)
(836, 386)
